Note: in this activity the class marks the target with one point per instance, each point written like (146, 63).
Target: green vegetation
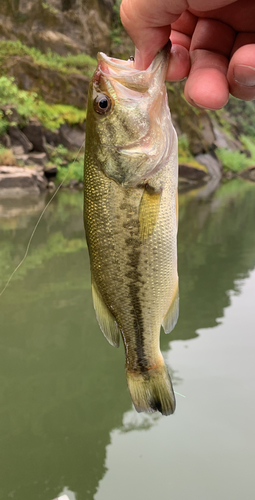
(184, 154)
(249, 143)
(243, 114)
(80, 63)
(69, 164)
(117, 25)
(236, 161)
(54, 115)
(184, 149)
(49, 8)
(73, 171)
(30, 105)
(7, 157)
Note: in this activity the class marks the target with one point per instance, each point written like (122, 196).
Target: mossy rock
(52, 85)
(195, 123)
(193, 171)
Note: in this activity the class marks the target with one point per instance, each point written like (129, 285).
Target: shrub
(74, 171)
(249, 143)
(28, 104)
(7, 157)
(79, 63)
(233, 160)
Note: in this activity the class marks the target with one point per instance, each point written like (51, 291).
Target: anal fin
(172, 314)
(148, 213)
(105, 318)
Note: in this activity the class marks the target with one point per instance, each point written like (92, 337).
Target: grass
(236, 161)
(30, 105)
(7, 157)
(73, 171)
(249, 143)
(184, 154)
(79, 63)
(70, 164)
(243, 114)
(49, 8)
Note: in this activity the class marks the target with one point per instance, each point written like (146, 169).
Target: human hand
(213, 44)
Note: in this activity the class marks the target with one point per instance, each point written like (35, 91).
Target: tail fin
(152, 390)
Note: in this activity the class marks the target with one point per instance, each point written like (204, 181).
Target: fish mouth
(125, 73)
(140, 97)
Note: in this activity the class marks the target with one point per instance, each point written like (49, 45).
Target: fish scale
(131, 231)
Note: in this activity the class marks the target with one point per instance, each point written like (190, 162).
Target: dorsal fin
(105, 318)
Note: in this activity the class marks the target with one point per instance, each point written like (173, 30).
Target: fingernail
(244, 75)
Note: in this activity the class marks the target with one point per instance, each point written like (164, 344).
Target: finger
(186, 23)
(180, 39)
(211, 45)
(179, 64)
(214, 36)
(241, 71)
(182, 30)
(207, 85)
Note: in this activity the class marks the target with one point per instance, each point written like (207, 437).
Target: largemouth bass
(130, 212)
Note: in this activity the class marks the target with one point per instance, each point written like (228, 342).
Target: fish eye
(102, 104)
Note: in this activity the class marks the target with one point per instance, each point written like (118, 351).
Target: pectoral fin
(105, 318)
(148, 213)
(172, 314)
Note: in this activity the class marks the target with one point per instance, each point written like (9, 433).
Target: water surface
(67, 426)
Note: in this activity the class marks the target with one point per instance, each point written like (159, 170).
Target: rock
(55, 87)
(22, 158)
(72, 137)
(58, 42)
(51, 186)
(5, 140)
(11, 113)
(249, 173)
(19, 139)
(195, 124)
(64, 26)
(193, 172)
(211, 163)
(18, 150)
(247, 153)
(52, 138)
(26, 179)
(34, 132)
(222, 140)
(51, 171)
(37, 159)
(206, 128)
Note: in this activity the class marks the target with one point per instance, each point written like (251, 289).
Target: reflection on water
(66, 423)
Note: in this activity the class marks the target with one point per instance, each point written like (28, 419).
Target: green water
(67, 426)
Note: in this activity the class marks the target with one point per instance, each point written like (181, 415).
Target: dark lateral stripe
(134, 277)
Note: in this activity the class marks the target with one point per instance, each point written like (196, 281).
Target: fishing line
(179, 394)
(38, 222)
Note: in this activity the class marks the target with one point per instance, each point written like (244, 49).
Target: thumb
(149, 25)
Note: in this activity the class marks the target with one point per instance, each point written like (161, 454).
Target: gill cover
(134, 137)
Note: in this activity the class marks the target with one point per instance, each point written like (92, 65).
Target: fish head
(129, 128)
